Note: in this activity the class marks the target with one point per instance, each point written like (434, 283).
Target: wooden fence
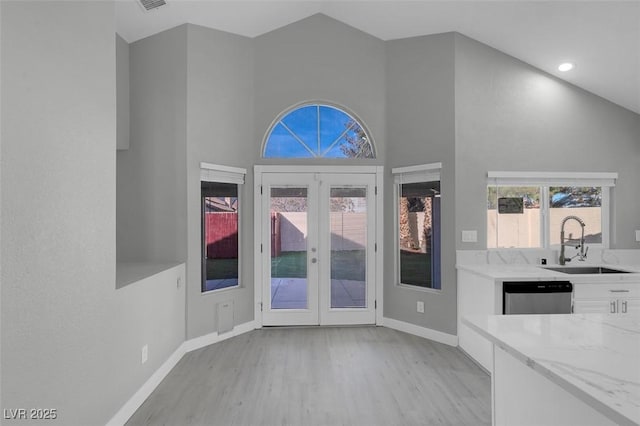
(221, 235)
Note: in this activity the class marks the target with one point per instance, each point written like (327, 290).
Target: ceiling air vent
(150, 5)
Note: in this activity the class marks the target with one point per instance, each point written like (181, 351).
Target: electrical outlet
(144, 354)
(638, 235)
(179, 282)
(420, 307)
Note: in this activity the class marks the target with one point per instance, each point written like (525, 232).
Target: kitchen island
(580, 369)
(480, 292)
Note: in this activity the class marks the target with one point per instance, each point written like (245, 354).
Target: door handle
(613, 306)
(624, 307)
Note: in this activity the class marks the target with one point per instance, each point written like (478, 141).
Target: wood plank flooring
(321, 376)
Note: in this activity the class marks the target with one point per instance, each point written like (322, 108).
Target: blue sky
(317, 133)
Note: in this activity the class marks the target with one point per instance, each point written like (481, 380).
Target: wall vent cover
(149, 5)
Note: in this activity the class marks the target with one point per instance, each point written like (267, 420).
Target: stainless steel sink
(586, 270)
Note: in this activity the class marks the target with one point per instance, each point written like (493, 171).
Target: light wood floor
(321, 376)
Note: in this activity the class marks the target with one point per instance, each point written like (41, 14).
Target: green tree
(357, 144)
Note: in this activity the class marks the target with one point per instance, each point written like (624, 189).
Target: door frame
(258, 264)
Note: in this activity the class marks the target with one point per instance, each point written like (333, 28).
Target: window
(418, 225)
(514, 216)
(526, 210)
(584, 202)
(317, 131)
(220, 205)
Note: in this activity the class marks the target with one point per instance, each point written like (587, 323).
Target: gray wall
(319, 58)
(70, 340)
(58, 245)
(122, 93)
(511, 116)
(420, 129)
(1, 136)
(151, 175)
(236, 88)
(148, 312)
(219, 131)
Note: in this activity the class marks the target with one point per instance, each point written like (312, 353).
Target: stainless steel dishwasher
(536, 297)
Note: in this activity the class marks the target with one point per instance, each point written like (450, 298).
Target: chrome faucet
(582, 255)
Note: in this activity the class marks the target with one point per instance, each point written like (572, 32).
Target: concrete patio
(291, 293)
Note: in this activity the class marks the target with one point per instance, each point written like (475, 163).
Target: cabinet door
(603, 306)
(626, 290)
(629, 306)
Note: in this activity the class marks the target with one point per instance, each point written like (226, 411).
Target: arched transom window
(317, 131)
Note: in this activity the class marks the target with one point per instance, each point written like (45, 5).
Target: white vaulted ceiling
(601, 37)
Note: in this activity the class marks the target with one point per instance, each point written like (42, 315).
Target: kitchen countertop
(594, 357)
(539, 273)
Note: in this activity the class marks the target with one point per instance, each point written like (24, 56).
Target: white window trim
(420, 173)
(605, 180)
(551, 179)
(410, 174)
(224, 174)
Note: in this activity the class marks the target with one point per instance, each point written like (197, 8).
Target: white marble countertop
(594, 357)
(539, 273)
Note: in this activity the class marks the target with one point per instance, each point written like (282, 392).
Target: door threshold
(320, 326)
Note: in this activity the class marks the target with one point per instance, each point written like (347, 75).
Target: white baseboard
(416, 330)
(130, 407)
(211, 338)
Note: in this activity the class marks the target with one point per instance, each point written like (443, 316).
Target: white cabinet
(606, 298)
(477, 295)
(630, 306)
(591, 306)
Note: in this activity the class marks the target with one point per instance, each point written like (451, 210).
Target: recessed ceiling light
(567, 66)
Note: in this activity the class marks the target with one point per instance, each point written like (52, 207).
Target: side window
(220, 208)
(220, 235)
(418, 213)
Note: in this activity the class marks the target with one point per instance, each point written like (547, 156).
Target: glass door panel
(348, 227)
(347, 252)
(289, 231)
(289, 239)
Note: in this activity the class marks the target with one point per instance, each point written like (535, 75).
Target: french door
(317, 237)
